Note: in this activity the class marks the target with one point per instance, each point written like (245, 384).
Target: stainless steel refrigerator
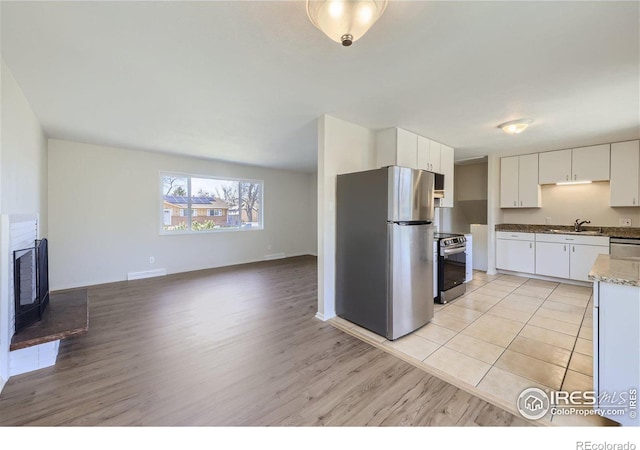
(384, 253)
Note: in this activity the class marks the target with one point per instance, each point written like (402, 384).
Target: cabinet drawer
(517, 236)
(573, 239)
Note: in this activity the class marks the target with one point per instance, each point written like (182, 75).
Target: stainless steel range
(452, 262)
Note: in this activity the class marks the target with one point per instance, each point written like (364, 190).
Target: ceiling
(245, 81)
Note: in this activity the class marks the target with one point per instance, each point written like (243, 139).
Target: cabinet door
(528, 187)
(555, 167)
(518, 256)
(424, 162)
(435, 156)
(582, 258)
(407, 148)
(625, 173)
(618, 336)
(446, 166)
(552, 259)
(591, 163)
(509, 182)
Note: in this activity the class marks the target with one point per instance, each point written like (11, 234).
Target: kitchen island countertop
(608, 269)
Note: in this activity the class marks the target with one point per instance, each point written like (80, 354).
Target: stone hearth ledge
(67, 315)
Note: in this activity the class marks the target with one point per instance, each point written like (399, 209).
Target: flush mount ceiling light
(345, 21)
(515, 126)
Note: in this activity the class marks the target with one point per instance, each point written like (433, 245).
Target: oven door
(453, 261)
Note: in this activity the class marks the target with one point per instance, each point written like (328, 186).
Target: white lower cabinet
(552, 259)
(515, 252)
(568, 255)
(552, 255)
(616, 360)
(581, 260)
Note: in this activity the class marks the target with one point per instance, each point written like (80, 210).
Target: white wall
(342, 148)
(24, 155)
(104, 215)
(470, 200)
(23, 184)
(313, 200)
(564, 204)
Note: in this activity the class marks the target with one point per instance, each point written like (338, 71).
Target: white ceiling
(245, 81)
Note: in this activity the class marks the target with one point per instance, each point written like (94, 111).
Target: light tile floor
(505, 334)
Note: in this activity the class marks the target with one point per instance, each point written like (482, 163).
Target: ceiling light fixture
(345, 21)
(515, 126)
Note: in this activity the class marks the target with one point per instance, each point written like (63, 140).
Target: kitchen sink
(584, 233)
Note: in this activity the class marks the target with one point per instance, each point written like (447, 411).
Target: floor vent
(274, 256)
(146, 274)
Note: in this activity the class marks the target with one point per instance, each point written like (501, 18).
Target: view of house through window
(192, 203)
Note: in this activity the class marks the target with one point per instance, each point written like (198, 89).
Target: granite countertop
(609, 269)
(619, 232)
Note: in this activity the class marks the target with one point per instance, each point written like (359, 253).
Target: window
(200, 204)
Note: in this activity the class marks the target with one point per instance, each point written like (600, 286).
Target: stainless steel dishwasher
(625, 247)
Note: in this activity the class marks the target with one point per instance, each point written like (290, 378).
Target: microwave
(438, 188)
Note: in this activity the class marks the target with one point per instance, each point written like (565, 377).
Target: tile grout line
(518, 334)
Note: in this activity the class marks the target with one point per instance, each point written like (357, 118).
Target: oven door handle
(454, 250)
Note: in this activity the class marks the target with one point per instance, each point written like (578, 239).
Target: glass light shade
(515, 126)
(345, 21)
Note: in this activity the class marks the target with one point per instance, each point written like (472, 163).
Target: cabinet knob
(567, 177)
(634, 200)
(575, 177)
(573, 249)
(565, 248)
(530, 245)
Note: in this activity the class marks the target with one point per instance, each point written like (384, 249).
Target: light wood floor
(231, 346)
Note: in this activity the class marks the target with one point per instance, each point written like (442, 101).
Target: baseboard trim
(545, 278)
(85, 284)
(146, 274)
(2, 383)
(319, 316)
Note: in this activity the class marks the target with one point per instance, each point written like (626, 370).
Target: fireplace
(31, 283)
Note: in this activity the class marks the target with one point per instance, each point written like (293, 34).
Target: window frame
(189, 230)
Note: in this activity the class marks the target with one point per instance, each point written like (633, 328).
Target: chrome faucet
(577, 226)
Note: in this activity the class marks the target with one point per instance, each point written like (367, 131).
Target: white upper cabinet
(509, 177)
(428, 155)
(435, 150)
(591, 163)
(528, 188)
(578, 164)
(625, 173)
(555, 167)
(446, 168)
(519, 182)
(397, 147)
